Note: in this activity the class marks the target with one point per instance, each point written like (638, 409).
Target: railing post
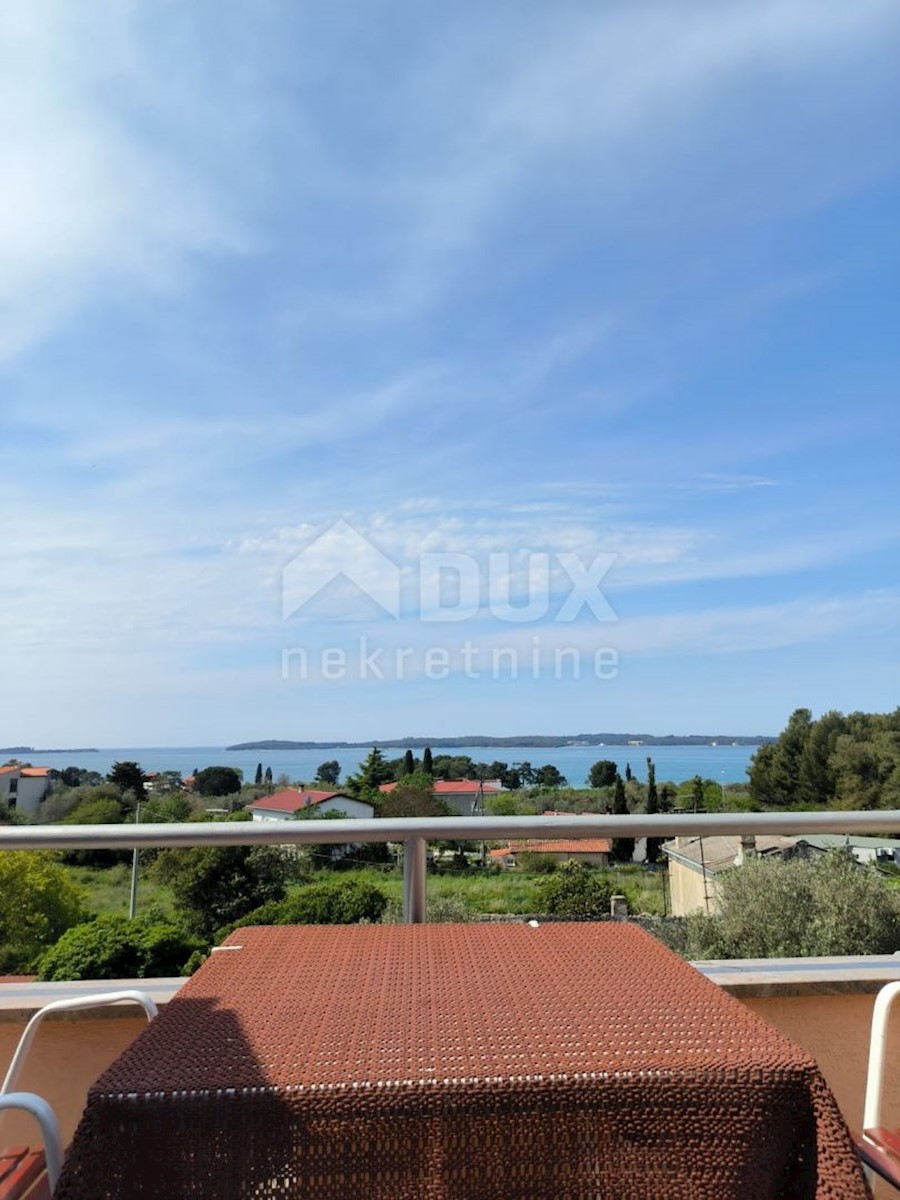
(414, 862)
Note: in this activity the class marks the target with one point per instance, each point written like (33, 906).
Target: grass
(108, 890)
(513, 891)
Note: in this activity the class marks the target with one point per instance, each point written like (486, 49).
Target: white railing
(416, 832)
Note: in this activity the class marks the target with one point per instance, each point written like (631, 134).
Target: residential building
(289, 803)
(593, 851)
(23, 788)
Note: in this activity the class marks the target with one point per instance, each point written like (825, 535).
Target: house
(464, 796)
(594, 851)
(23, 788)
(288, 804)
(694, 863)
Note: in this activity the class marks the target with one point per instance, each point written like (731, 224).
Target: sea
(723, 763)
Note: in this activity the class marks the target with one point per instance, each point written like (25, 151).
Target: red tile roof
(35, 772)
(291, 800)
(451, 787)
(572, 846)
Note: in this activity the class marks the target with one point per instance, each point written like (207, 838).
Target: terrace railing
(416, 832)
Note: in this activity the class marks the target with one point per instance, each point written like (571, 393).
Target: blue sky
(617, 281)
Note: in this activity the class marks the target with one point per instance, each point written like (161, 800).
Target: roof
(719, 853)
(556, 846)
(292, 800)
(451, 787)
(838, 841)
(28, 772)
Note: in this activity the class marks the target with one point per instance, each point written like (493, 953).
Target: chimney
(746, 850)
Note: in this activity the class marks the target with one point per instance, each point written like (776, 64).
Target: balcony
(824, 1005)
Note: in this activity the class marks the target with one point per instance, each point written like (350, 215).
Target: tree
(371, 774)
(622, 847)
(603, 773)
(409, 763)
(258, 778)
(412, 797)
(328, 772)
(216, 885)
(628, 774)
(653, 843)
(427, 761)
(129, 779)
(697, 793)
(217, 781)
(771, 908)
(115, 947)
(40, 903)
(98, 807)
(268, 777)
(575, 891)
(550, 776)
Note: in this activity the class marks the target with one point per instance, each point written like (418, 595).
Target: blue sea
(724, 764)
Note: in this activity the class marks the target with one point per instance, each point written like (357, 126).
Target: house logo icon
(342, 554)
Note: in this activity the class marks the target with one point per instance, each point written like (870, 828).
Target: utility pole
(132, 904)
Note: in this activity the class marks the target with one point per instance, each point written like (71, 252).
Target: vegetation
(334, 902)
(217, 781)
(622, 848)
(772, 908)
(114, 947)
(850, 762)
(575, 890)
(40, 903)
(217, 885)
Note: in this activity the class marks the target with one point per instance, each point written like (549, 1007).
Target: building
(593, 851)
(23, 788)
(288, 804)
(464, 796)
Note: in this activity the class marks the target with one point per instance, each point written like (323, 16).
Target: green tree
(409, 763)
(217, 781)
(258, 778)
(40, 903)
(412, 797)
(96, 808)
(217, 885)
(115, 947)
(603, 773)
(575, 891)
(427, 761)
(371, 774)
(622, 847)
(328, 772)
(628, 773)
(654, 844)
(129, 779)
(550, 776)
(268, 777)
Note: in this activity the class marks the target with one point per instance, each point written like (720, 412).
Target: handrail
(416, 832)
(459, 829)
(49, 1126)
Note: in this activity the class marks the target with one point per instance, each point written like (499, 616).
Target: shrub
(774, 909)
(217, 886)
(40, 903)
(440, 910)
(575, 890)
(113, 947)
(338, 903)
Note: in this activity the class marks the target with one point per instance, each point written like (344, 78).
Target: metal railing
(416, 832)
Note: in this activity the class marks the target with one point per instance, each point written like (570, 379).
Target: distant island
(63, 750)
(536, 740)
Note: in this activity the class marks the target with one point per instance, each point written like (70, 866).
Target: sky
(388, 368)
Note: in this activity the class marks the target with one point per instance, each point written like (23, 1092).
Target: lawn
(108, 890)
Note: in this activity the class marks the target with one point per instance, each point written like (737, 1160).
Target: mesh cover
(458, 1062)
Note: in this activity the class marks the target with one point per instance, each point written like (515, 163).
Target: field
(483, 892)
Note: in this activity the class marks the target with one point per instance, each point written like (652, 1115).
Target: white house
(464, 796)
(23, 788)
(288, 804)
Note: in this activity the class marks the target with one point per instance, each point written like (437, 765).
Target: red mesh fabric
(457, 1062)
